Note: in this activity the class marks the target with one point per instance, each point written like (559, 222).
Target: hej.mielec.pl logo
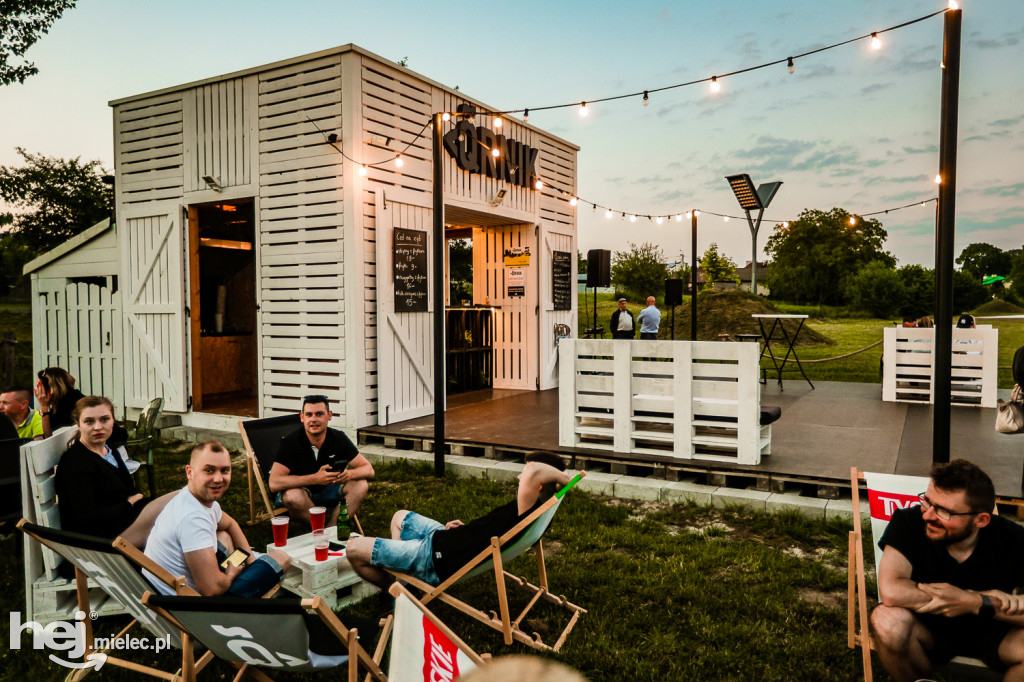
(69, 638)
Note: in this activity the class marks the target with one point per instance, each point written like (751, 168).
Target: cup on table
(280, 525)
(316, 517)
(320, 545)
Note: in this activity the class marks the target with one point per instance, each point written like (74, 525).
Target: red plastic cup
(321, 550)
(280, 525)
(316, 517)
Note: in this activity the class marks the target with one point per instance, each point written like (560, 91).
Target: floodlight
(743, 188)
(753, 200)
(766, 192)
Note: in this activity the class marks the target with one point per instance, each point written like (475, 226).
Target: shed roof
(350, 47)
(68, 246)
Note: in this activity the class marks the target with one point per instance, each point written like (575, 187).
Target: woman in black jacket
(56, 395)
(95, 491)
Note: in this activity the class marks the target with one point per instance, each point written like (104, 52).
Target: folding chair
(494, 558)
(113, 567)
(142, 439)
(287, 635)
(886, 493)
(418, 631)
(261, 438)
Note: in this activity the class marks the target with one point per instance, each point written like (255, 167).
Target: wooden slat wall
(218, 133)
(557, 166)
(301, 236)
(148, 149)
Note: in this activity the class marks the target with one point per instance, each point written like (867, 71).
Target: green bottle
(343, 524)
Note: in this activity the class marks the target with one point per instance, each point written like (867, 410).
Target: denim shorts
(411, 554)
(329, 496)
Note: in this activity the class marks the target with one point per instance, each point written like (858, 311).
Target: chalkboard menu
(410, 270)
(561, 279)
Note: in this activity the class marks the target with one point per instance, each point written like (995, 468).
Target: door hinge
(188, 312)
(188, 403)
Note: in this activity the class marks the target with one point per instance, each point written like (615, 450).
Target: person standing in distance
(622, 322)
(650, 320)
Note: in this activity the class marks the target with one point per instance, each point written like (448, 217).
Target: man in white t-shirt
(192, 536)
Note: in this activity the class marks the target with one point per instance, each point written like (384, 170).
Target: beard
(948, 537)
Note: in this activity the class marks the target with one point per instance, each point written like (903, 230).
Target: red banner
(883, 504)
(440, 655)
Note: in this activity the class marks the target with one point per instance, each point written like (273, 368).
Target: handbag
(1010, 417)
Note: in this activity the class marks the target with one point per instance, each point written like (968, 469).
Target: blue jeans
(256, 579)
(412, 554)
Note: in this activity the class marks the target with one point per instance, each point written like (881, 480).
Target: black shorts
(965, 636)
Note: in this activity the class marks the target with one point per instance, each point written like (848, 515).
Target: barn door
(154, 307)
(405, 348)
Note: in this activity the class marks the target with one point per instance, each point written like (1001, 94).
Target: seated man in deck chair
(431, 552)
(317, 465)
(945, 579)
(193, 537)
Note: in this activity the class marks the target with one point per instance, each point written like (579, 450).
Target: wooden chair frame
(504, 623)
(357, 654)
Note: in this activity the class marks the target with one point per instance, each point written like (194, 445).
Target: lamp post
(753, 200)
(693, 275)
(440, 375)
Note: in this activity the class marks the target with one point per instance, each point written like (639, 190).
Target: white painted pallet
(908, 366)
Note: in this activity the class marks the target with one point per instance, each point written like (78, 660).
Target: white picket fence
(908, 366)
(681, 399)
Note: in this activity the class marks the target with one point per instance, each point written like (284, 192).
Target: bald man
(14, 403)
(649, 320)
(426, 549)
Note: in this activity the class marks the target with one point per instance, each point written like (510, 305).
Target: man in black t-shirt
(432, 552)
(316, 465)
(946, 578)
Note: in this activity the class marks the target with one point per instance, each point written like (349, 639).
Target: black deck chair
(261, 438)
(262, 635)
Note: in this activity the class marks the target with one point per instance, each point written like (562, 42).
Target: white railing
(908, 365)
(680, 399)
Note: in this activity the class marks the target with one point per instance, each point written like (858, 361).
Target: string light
(689, 214)
(679, 217)
(953, 5)
(647, 99)
(876, 44)
(789, 65)
(362, 170)
(785, 224)
(632, 218)
(399, 162)
(658, 220)
(573, 201)
(495, 152)
(583, 109)
(715, 87)
(539, 184)
(938, 179)
(526, 116)
(497, 122)
(725, 219)
(608, 214)
(853, 220)
(696, 213)
(446, 116)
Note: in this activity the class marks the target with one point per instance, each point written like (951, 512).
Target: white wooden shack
(251, 260)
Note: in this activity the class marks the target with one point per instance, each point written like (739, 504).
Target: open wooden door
(405, 346)
(152, 247)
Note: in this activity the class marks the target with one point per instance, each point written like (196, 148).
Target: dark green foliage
(876, 288)
(981, 260)
(919, 289)
(639, 272)
(817, 253)
(717, 267)
(968, 292)
(22, 23)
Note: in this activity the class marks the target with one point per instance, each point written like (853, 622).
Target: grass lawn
(673, 592)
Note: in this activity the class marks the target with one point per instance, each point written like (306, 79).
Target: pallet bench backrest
(39, 460)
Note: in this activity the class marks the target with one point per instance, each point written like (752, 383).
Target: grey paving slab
(723, 497)
(812, 507)
(686, 491)
(636, 488)
(599, 483)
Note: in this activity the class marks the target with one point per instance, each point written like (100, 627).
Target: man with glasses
(946, 578)
(317, 466)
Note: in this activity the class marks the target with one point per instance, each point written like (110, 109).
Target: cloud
(651, 179)
(1006, 122)
(881, 179)
(976, 138)
(874, 87)
(927, 149)
(1008, 39)
(1004, 190)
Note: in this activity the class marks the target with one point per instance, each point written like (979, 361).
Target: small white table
(333, 580)
(790, 342)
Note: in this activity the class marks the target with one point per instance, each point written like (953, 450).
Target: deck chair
(416, 631)
(261, 437)
(493, 560)
(113, 568)
(886, 493)
(141, 440)
(286, 635)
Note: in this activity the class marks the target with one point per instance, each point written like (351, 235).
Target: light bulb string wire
(345, 156)
(856, 215)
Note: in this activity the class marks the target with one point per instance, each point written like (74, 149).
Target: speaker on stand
(673, 298)
(599, 274)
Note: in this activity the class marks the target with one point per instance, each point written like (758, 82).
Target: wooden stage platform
(821, 434)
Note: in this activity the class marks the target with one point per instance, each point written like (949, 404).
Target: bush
(878, 289)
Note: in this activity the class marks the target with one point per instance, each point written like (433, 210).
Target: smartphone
(335, 546)
(237, 558)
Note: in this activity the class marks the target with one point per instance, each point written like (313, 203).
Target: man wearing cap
(622, 326)
(317, 465)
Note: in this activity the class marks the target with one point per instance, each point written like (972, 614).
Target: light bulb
(725, 219)
(593, 208)
(938, 179)
(853, 220)
(679, 217)
(399, 162)
(497, 122)
(583, 109)
(538, 185)
(647, 100)
(573, 201)
(526, 116)
(632, 218)
(953, 4)
(922, 203)
(696, 213)
(658, 220)
(446, 116)
(785, 225)
(689, 214)
(715, 87)
(608, 214)
(362, 170)
(495, 152)
(789, 65)
(876, 44)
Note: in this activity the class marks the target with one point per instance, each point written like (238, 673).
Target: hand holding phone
(237, 558)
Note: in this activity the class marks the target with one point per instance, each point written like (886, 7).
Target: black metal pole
(595, 310)
(693, 278)
(440, 373)
(945, 228)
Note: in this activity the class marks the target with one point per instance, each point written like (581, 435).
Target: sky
(852, 127)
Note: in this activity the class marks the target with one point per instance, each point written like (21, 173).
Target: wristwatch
(986, 610)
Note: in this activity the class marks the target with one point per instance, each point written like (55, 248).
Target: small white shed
(268, 242)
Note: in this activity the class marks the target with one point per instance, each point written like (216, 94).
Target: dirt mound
(998, 307)
(729, 312)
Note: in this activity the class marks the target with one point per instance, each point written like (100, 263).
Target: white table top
(301, 551)
(781, 316)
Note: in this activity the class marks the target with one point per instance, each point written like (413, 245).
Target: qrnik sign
(471, 146)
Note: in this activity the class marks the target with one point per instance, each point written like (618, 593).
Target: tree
(53, 199)
(639, 272)
(981, 260)
(919, 289)
(814, 256)
(717, 267)
(968, 293)
(878, 289)
(22, 23)
(581, 263)
(460, 269)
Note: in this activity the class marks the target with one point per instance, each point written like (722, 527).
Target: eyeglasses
(941, 512)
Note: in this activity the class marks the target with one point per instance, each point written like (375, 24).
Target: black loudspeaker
(599, 268)
(674, 292)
